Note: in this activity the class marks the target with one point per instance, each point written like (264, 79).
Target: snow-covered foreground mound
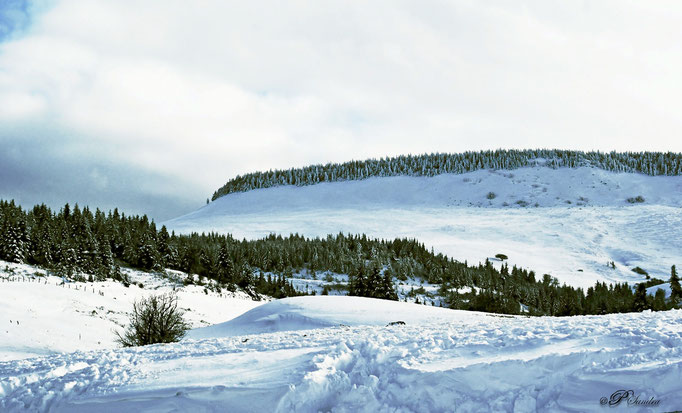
(301, 313)
(582, 220)
(445, 361)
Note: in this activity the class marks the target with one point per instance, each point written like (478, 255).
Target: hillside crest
(649, 163)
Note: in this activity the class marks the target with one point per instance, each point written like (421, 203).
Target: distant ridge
(649, 163)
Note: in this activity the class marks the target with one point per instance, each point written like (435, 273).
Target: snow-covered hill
(439, 361)
(301, 313)
(545, 187)
(568, 222)
(41, 315)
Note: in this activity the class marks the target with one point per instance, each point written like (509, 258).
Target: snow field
(461, 361)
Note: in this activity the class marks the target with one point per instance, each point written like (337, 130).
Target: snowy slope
(41, 316)
(665, 287)
(301, 313)
(565, 222)
(440, 361)
(544, 186)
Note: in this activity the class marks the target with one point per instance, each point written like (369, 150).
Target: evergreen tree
(387, 291)
(14, 241)
(675, 289)
(658, 303)
(106, 267)
(374, 284)
(147, 253)
(41, 236)
(640, 302)
(166, 256)
(225, 270)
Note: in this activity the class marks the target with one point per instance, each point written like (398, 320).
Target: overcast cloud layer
(151, 106)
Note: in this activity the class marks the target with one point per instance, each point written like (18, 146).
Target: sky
(151, 106)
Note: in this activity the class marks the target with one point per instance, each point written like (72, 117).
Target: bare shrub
(155, 319)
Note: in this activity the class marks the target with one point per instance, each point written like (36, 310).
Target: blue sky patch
(14, 17)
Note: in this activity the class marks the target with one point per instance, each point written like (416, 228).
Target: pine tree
(640, 303)
(148, 257)
(387, 290)
(68, 263)
(166, 256)
(129, 253)
(675, 289)
(225, 266)
(658, 303)
(41, 236)
(106, 268)
(374, 283)
(13, 242)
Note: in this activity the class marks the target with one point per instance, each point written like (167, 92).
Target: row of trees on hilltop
(75, 241)
(650, 163)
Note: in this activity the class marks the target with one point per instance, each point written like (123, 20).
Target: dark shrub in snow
(155, 319)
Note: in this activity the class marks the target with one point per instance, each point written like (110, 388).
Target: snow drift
(302, 313)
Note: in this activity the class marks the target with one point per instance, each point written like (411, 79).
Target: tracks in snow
(559, 364)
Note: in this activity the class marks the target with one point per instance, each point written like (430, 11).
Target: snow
(351, 354)
(665, 287)
(440, 360)
(301, 313)
(545, 186)
(40, 316)
(573, 242)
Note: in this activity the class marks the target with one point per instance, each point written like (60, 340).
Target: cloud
(196, 93)
(41, 171)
